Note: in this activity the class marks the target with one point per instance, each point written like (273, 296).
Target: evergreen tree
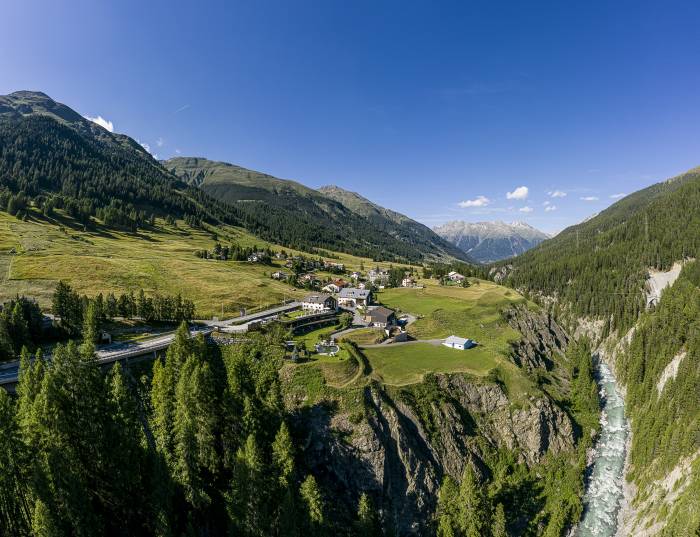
(14, 496)
(447, 508)
(367, 524)
(311, 497)
(498, 526)
(472, 509)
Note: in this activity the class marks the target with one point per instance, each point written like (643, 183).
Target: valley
(399, 379)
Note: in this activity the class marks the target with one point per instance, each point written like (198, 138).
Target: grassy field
(160, 260)
(473, 312)
(365, 336)
(407, 364)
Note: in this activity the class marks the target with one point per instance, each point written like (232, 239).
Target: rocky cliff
(397, 443)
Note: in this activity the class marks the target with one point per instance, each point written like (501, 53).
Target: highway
(128, 349)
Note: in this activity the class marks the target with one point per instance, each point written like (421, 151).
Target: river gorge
(604, 491)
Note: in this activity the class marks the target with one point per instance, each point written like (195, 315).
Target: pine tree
(498, 526)
(14, 475)
(311, 497)
(283, 456)
(447, 509)
(471, 505)
(91, 329)
(366, 524)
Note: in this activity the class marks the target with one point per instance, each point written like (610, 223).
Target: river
(604, 492)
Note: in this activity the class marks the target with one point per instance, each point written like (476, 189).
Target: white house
(408, 282)
(318, 303)
(455, 342)
(378, 276)
(455, 276)
(353, 297)
(331, 288)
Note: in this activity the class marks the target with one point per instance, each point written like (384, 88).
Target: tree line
(70, 307)
(199, 447)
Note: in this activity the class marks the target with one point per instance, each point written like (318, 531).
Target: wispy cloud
(181, 109)
(557, 194)
(160, 142)
(147, 147)
(550, 208)
(526, 209)
(178, 151)
(479, 201)
(545, 203)
(519, 193)
(102, 122)
(617, 196)
(589, 198)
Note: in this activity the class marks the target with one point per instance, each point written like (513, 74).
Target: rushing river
(604, 491)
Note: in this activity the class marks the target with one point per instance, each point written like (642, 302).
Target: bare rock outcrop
(542, 338)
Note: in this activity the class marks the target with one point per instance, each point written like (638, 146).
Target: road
(435, 342)
(255, 316)
(111, 353)
(120, 351)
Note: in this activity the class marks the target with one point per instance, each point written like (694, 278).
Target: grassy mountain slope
(305, 216)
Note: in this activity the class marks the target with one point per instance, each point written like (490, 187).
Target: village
(342, 305)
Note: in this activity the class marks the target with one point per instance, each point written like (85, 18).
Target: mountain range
(487, 242)
(52, 156)
(330, 217)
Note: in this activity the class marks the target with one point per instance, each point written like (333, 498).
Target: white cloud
(178, 151)
(519, 193)
(557, 194)
(181, 109)
(102, 122)
(590, 198)
(545, 203)
(618, 196)
(160, 142)
(147, 147)
(526, 209)
(549, 208)
(479, 201)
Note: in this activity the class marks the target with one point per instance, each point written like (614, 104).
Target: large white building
(354, 297)
(460, 343)
(318, 303)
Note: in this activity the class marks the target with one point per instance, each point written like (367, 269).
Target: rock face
(487, 242)
(397, 443)
(542, 338)
(399, 455)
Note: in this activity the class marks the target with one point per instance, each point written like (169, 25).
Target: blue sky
(440, 110)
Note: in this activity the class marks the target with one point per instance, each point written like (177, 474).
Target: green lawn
(474, 312)
(407, 364)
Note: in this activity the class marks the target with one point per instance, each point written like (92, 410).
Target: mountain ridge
(348, 215)
(491, 241)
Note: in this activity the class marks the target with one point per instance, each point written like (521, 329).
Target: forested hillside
(52, 157)
(661, 369)
(290, 213)
(598, 268)
(597, 271)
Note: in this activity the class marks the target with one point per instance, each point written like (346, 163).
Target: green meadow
(37, 253)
